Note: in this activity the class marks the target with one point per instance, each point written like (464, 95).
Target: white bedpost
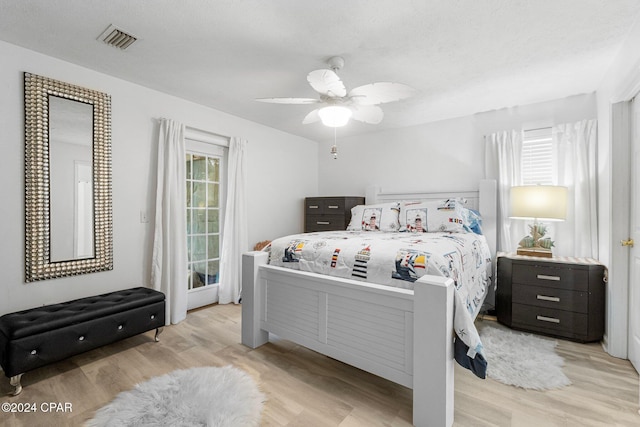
(371, 194)
(433, 363)
(488, 207)
(252, 335)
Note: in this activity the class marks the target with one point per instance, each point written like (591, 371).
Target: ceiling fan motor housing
(336, 62)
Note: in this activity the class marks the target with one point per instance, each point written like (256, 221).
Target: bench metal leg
(158, 332)
(15, 382)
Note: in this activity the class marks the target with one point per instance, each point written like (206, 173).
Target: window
(538, 159)
(204, 201)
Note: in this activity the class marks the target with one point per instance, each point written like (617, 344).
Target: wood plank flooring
(306, 389)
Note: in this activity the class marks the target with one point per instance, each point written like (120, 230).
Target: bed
(369, 325)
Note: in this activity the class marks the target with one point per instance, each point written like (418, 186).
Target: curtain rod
(195, 129)
(544, 127)
(206, 131)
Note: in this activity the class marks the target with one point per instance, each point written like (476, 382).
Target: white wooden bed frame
(365, 325)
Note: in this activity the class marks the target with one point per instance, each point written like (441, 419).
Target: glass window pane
(213, 221)
(199, 274)
(213, 171)
(214, 245)
(214, 270)
(199, 168)
(198, 248)
(199, 221)
(189, 222)
(199, 195)
(188, 193)
(188, 166)
(189, 245)
(212, 190)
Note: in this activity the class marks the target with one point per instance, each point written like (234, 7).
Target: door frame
(617, 329)
(206, 143)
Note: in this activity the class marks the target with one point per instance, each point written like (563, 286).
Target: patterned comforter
(398, 259)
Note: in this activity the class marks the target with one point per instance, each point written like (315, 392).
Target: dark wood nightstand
(562, 297)
(328, 213)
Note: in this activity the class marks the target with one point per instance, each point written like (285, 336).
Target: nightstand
(328, 213)
(562, 297)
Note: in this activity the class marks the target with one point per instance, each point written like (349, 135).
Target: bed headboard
(484, 199)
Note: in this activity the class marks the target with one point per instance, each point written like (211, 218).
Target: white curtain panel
(234, 236)
(503, 153)
(576, 145)
(169, 262)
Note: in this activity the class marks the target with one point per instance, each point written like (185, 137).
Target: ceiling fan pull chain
(334, 148)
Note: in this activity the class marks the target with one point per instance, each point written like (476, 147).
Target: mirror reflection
(71, 179)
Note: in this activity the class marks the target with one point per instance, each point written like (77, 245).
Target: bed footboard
(401, 335)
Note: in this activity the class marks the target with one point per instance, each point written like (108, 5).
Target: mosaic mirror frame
(38, 264)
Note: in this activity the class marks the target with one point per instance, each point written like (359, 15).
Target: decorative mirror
(68, 210)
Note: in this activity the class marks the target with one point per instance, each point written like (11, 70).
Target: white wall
(620, 84)
(275, 200)
(447, 154)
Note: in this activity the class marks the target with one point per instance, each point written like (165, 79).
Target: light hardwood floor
(304, 388)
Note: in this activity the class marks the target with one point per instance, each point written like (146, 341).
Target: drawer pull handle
(323, 222)
(548, 319)
(545, 277)
(333, 207)
(546, 298)
(313, 206)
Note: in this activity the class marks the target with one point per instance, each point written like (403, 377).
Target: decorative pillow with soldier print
(380, 217)
(432, 216)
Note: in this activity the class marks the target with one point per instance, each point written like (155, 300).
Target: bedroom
(280, 156)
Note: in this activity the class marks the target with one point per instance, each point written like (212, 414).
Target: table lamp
(538, 202)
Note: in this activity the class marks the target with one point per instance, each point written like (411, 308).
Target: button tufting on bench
(119, 327)
(81, 338)
(33, 352)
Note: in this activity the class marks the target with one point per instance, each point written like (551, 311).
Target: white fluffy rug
(522, 360)
(205, 396)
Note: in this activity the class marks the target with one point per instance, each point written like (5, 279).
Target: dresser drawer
(324, 222)
(560, 299)
(555, 277)
(324, 206)
(566, 323)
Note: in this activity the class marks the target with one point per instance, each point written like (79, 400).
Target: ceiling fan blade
(312, 117)
(371, 114)
(326, 82)
(289, 100)
(380, 93)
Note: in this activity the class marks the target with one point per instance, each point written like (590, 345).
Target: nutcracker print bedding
(398, 259)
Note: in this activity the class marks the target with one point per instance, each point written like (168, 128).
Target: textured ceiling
(463, 56)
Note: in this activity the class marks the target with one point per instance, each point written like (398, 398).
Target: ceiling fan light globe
(335, 116)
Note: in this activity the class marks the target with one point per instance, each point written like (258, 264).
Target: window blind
(538, 158)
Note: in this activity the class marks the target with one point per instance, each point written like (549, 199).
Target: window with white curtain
(538, 163)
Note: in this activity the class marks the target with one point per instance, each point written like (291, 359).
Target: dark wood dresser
(562, 297)
(328, 213)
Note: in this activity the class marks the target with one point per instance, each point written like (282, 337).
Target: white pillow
(380, 217)
(432, 216)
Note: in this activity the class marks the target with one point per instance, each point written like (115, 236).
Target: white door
(634, 265)
(205, 164)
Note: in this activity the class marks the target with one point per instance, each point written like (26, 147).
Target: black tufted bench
(39, 336)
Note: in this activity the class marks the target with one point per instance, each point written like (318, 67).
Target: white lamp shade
(335, 116)
(545, 202)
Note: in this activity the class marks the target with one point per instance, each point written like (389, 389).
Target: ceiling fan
(338, 105)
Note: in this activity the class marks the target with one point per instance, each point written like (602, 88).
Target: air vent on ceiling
(117, 38)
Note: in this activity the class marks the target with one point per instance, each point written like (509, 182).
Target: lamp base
(539, 252)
